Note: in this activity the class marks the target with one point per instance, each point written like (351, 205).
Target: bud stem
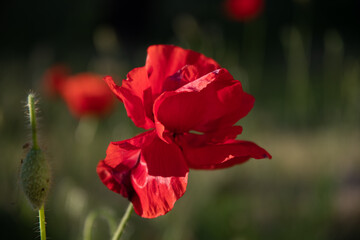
(32, 115)
(120, 229)
(31, 105)
(42, 223)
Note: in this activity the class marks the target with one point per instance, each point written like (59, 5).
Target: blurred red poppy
(86, 94)
(54, 78)
(243, 10)
(176, 92)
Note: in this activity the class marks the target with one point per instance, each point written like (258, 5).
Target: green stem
(42, 223)
(31, 105)
(90, 219)
(88, 225)
(120, 229)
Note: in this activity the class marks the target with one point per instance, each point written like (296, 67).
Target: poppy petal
(207, 104)
(220, 155)
(144, 84)
(159, 179)
(121, 157)
(164, 61)
(185, 75)
(135, 92)
(219, 136)
(117, 180)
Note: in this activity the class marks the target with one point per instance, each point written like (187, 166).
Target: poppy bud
(35, 177)
(35, 170)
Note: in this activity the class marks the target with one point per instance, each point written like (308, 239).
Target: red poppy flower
(54, 78)
(176, 92)
(86, 94)
(243, 10)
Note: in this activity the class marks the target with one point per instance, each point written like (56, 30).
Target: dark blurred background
(300, 59)
(66, 24)
(320, 35)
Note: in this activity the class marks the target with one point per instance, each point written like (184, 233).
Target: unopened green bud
(35, 170)
(35, 177)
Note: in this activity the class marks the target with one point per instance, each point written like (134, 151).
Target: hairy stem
(42, 223)
(32, 115)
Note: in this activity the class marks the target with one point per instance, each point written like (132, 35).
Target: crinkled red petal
(115, 179)
(185, 75)
(161, 72)
(164, 61)
(220, 155)
(207, 104)
(159, 179)
(121, 157)
(148, 171)
(219, 136)
(135, 92)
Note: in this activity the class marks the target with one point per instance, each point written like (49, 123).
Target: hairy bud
(35, 171)
(35, 177)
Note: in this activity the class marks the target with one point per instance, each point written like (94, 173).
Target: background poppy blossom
(54, 79)
(86, 95)
(175, 92)
(243, 10)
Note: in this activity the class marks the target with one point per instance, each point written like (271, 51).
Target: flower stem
(89, 222)
(90, 219)
(42, 223)
(86, 130)
(120, 229)
(31, 106)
